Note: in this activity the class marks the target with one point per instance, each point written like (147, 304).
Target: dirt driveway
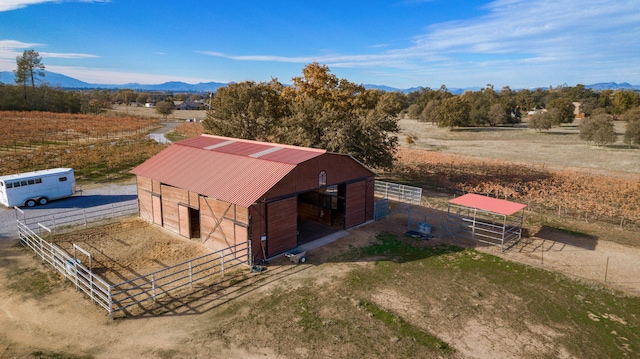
(60, 320)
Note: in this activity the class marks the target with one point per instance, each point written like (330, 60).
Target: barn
(225, 191)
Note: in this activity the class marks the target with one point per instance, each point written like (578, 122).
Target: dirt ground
(61, 320)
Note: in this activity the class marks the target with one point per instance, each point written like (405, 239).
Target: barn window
(322, 179)
(62, 179)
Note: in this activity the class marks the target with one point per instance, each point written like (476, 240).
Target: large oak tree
(319, 110)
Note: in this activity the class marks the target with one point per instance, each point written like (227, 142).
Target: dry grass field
(145, 112)
(559, 147)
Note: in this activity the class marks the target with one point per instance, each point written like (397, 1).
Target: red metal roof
(233, 170)
(489, 204)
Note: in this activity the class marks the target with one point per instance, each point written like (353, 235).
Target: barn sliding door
(282, 225)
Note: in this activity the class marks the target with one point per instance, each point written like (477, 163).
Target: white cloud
(10, 49)
(9, 5)
(518, 40)
(67, 55)
(104, 76)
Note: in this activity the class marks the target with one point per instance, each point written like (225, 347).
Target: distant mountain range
(58, 80)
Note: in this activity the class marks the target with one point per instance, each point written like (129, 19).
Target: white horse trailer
(37, 187)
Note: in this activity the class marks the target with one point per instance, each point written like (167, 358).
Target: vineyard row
(615, 199)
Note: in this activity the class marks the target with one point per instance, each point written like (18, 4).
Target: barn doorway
(321, 212)
(194, 223)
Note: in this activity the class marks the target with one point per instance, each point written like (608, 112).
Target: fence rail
(151, 286)
(118, 297)
(398, 192)
(95, 287)
(61, 221)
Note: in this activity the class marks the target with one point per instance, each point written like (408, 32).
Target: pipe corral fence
(404, 196)
(118, 297)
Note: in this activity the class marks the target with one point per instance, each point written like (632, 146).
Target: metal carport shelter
(485, 219)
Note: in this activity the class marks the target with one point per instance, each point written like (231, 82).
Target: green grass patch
(32, 282)
(39, 354)
(405, 329)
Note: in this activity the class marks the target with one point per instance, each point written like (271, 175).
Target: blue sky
(401, 43)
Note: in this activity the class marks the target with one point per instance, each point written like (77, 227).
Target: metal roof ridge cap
(302, 148)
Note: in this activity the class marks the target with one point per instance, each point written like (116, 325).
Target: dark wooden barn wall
(258, 228)
(282, 226)
(339, 169)
(359, 203)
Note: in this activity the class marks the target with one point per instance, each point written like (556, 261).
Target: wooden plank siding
(223, 224)
(282, 226)
(156, 204)
(171, 198)
(369, 198)
(183, 220)
(355, 212)
(258, 228)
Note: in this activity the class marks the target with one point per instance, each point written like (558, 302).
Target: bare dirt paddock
(250, 316)
(129, 249)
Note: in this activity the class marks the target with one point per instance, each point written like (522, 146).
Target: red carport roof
(489, 204)
(233, 170)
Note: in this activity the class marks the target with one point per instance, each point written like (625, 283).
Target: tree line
(321, 110)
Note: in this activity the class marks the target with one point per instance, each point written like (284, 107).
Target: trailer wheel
(43, 201)
(30, 203)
